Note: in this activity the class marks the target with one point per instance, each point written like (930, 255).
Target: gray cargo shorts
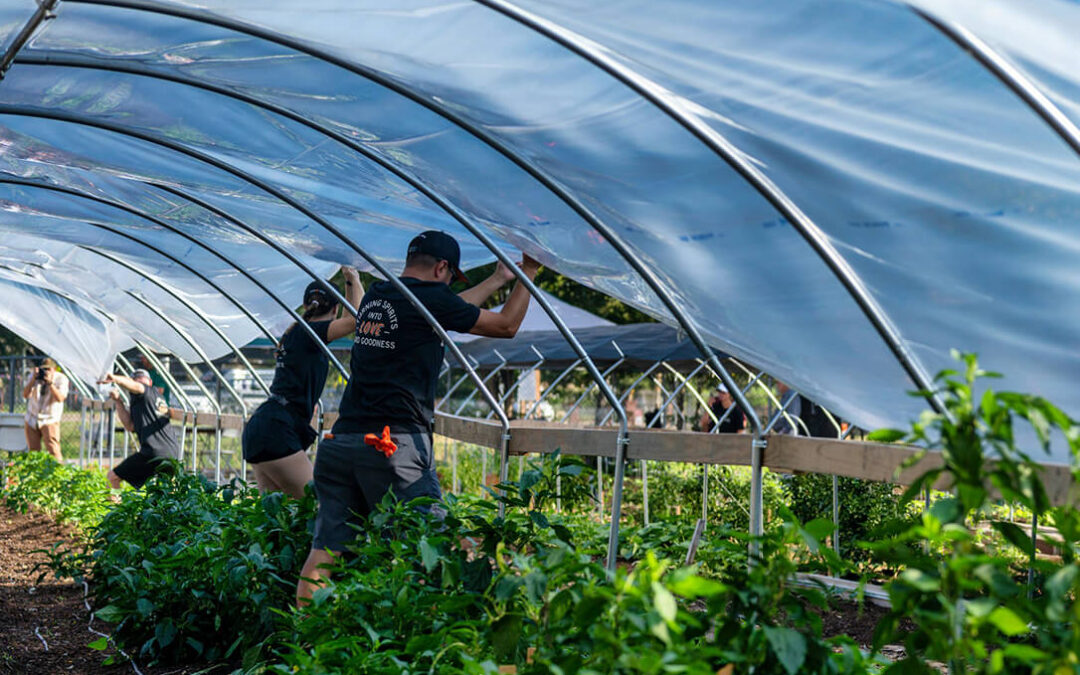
(351, 478)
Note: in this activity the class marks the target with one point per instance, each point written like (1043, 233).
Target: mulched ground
(44, 627)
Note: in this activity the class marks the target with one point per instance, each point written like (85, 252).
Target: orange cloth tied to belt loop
(385, 445)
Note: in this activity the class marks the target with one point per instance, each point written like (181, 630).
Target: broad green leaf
(920, 580)
(665, 602)
(1015, 536)
(886, 435)
(111, 614)
(100, 644)
(1008, 622)
(506, 631)
(429, 555)
(789, 646)
(694, 586)
(165, 632)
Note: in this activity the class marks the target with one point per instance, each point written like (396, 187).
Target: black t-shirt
(396, 356)
(734, 422)
(150, 417)
(301, 369)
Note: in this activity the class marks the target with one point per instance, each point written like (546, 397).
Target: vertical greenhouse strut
(445, 204)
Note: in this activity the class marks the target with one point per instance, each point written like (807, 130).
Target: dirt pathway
(44, 626)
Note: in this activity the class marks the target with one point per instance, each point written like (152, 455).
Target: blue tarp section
(952, 203)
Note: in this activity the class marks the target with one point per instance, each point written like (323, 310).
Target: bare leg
(313, 575)
(288, 474)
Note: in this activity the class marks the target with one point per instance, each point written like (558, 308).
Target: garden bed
(45, 626)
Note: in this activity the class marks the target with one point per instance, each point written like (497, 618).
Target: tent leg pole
(836, 513)
(645, 489)
(757, 514)
(616, 502)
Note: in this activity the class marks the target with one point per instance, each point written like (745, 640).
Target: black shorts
(273, 432)
(351, 478)
(138, 468)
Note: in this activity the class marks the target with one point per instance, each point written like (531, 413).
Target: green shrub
(189, 570)
(969, 608)
(80, 497)
(867, 509)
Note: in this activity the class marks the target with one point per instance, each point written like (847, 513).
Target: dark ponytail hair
(318, 303)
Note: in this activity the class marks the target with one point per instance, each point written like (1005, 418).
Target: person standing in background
(45, 391)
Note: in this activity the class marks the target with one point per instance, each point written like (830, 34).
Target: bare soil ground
(44, 627)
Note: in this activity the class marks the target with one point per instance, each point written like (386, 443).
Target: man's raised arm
(505, 323)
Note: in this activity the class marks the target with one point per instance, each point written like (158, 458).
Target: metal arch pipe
(694, 390)
(446, 112)
(675, 392)
(1009, 75)
(397, 283)
(190, 306)
(669, 104)
(526, 165)
(21, 111)
(194, 377)
(520, 379)
(157, 221)
(195, 346)
(9, 180)
(678, 414)
(394, 168)
(269, 241)
(484, 382)
(551, 387)
(43, 13)
(623, 396)
(457, 383)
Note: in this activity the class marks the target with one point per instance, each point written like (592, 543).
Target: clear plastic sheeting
(81, 340)
(953, 204)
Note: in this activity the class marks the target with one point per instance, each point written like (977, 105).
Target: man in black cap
(382, 440)
(149, 420)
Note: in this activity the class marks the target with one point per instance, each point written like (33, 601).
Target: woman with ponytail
(279, 432)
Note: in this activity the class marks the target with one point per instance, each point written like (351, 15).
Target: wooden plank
(469, 430)
(855, 459)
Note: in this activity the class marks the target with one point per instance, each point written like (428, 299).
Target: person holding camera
(148, 418)
(279, 432)
(45, 392)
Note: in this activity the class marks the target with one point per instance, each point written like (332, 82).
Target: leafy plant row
(191, 570)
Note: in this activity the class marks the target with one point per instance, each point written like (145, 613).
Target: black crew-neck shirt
(150, 417)
(301, 368)
(734, 422)
(396, 357)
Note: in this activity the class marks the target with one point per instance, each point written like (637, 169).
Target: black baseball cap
(313, 289)
(441, 246)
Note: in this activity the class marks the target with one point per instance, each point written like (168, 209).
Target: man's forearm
(128, 384)
(478, 294)
(516, 306)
